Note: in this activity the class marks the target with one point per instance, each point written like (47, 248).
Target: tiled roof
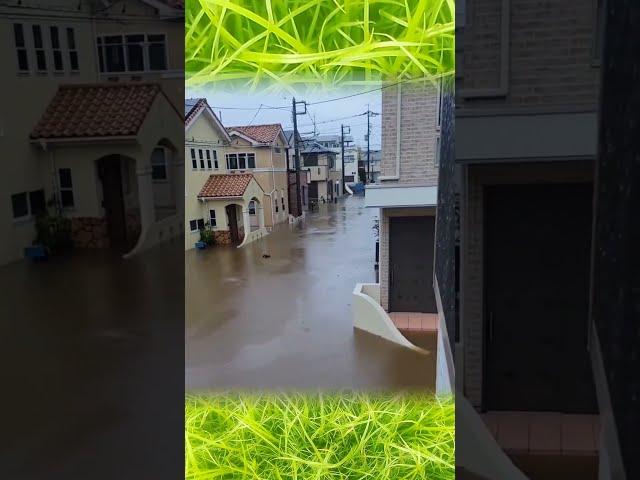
(96, 111)
(259, 133)
(192, 106)
(227, 185)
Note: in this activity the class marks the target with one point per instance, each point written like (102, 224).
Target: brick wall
(419, 105)
(550, 61)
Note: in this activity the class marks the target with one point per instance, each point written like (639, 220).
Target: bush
(54, 233)
(207, 237)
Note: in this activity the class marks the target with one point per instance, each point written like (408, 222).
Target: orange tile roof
(259, 133)
(97, 110)
(227, 185)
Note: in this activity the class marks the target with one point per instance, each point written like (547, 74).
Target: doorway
(411, 264)
(232, 215)
(536, 267)
(110, 175)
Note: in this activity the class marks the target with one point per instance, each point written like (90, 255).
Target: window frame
(62, 189)
(194, 160)
(208, 155)
(21, 48)
(213, 222)
(39, 49)
(125, 44)
(56, 51)
(201, 159)
(164, 165)
(72, 50)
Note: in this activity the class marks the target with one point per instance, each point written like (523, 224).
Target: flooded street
(277, 313)
(92, 346)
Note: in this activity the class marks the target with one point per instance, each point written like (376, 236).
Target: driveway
(277, 313)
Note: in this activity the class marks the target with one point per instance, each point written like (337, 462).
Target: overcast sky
(328, 116)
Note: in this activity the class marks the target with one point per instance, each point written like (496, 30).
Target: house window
(436, 158)
(58, 65)
(194, 161)
(38, 45)
(201, 157)
(132, 53)
(275, 204)
(252, 207)
(20, 205)
(242, 161)
(21, 50)
(232, 161)
(196, 225)
(251, 160)
(215, 159)
(73, 52)
(318, 170)
(208, 159)
(282, 199)
(278, 149)
(159, 164)
(66, 187)
(212, 218)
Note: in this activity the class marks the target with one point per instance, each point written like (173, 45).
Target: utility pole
(342, 144)
(296, 151)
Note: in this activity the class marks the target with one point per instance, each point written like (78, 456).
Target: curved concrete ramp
(158, 232)
(369, 316)
(347, 189)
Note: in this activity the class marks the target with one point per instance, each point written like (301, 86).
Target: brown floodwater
(91, 365)
(284, 321)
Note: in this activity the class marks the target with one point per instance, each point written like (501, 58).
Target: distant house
(369, 167)
(228, 202)
(99, 136)
(260, 150)
(324, 178)
(334, 143)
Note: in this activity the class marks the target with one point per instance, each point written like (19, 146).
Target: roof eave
(43, 141)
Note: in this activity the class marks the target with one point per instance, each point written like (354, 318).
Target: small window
(251, 160)
(208, 152)
(212, 218)
(38, 45)
(252, 207)
(20, 205)
(201, 157)
(193, 226)
(37, 202)
(194, 161)
(134, 45)
(201, 224)
(113, 53)
(159, 164)
(275, 203)
(282, 198)
(21, 50)
(73, 52)
(232, 161)
(66, 188)
(318, 170)
(278, 149)
(242, 161)
(58, 65)
(157, 52)
(215, 159)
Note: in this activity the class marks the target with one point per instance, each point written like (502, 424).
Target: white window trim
(214, 218)
(145, 53)
(237, 155)
(61, 189)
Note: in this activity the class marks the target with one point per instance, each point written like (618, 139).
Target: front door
(113, 203)
(411, 264)
(537, 255)
(233, 223)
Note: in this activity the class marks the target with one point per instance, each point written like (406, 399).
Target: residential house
(351, 166)
(405, 305)
(89, 130)
(261, 151)
(334, 143)
(526, 140)
(369, 166)
(293, 178)
(227, 203)
(324, 178)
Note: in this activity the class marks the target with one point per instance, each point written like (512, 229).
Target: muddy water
(91, 365)
(285, 321)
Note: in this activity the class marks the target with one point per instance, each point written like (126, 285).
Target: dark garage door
(411, 264)
(537, 255)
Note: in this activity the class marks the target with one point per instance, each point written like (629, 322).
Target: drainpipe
(398, 136)
(273, 189)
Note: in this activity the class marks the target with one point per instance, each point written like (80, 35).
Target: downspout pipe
(398, 135)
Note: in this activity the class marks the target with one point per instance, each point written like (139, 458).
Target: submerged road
(285, 321)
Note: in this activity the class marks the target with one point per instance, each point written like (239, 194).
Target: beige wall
(25, 97)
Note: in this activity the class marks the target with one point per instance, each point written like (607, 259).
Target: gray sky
(326, 114)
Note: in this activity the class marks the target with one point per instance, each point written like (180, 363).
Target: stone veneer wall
(222, 237)
(90, 232)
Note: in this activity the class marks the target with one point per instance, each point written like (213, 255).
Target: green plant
(54, 232)
(207, 236)
(318, 41)
(319, 436)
